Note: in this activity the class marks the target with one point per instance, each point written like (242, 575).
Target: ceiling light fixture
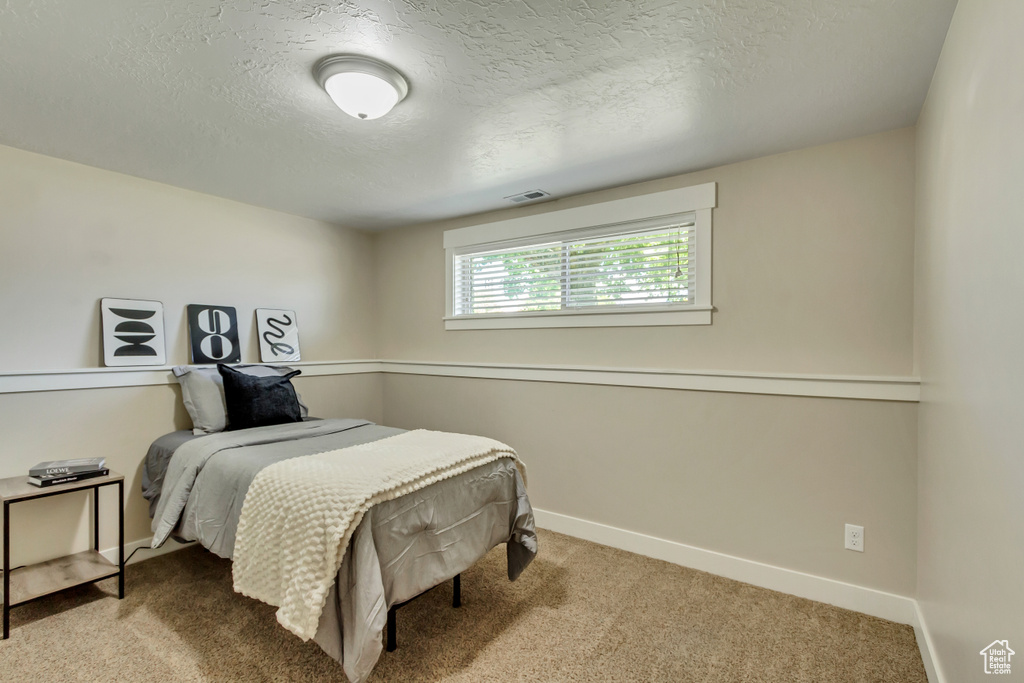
(361, 86)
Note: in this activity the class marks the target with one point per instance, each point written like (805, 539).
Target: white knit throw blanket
(299, 514)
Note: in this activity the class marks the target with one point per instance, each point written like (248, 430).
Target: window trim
(697, 199)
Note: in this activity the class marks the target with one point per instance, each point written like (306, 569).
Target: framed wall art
(213, 334)
(279, 335)
(133, 332)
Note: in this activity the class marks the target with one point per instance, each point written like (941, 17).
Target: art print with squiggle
(279, 335)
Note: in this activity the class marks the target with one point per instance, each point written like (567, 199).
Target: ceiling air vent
(530, 196)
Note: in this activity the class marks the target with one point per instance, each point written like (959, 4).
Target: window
(652, 268)
(623, 267)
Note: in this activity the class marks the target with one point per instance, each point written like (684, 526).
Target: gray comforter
(401, 548)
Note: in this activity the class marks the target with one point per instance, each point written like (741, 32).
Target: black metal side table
(32, 582)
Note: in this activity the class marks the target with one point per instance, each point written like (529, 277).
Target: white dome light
(361, 87)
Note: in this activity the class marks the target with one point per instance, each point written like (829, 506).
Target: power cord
(143, 547)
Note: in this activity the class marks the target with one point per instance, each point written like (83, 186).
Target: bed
(196, 485)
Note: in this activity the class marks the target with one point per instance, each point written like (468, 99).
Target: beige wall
(765, 478)
(71, 234)
(813, 273)
(970, 329)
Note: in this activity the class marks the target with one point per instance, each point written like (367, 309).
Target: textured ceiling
(506, 95)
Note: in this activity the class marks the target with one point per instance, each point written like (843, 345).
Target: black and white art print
(133, 332)
(213, 334)
(279, 335)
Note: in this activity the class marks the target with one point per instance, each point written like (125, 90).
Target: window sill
(648, 318)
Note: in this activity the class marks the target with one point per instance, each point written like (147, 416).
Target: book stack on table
(66, 471)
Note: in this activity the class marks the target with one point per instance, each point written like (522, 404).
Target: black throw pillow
(259, 401)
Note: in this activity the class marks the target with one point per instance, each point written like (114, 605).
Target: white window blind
(643, 260)
(637, 264)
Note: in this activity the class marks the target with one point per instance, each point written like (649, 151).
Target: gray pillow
(202, 391)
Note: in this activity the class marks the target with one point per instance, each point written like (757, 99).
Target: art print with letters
(213, 334)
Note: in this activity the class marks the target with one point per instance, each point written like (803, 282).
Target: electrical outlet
(855, 538)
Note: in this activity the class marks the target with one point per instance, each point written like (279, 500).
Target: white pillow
(202, 392)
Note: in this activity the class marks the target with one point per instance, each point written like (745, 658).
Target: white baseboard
(145, 552)
(924, 643)
(846, 595)
(898, 608)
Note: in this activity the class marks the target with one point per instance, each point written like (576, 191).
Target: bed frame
(392, 621)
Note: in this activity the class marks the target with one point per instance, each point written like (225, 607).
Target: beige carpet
(581, 612)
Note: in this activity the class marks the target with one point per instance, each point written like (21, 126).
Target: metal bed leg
(392, 643)
(392, 631)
